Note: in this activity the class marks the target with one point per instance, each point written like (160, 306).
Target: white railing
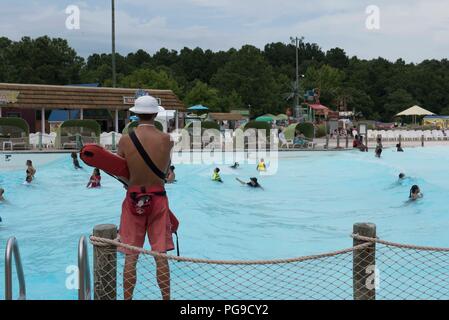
(409, 135)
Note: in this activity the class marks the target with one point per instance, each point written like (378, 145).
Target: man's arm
(242, 182)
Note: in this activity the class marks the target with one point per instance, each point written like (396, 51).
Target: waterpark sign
(8, 97)
(131, 100)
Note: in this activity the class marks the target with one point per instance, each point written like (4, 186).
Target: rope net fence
(400, 272)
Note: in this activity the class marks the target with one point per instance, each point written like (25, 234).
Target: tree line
(262, 80)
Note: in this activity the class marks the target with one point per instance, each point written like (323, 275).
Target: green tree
(153, 79)
(327, 79)
(396, 102)
(40, 60)
(250, 75)
(201, 93)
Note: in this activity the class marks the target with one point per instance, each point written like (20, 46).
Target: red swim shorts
(153, 219)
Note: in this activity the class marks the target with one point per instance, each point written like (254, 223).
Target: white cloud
(412, 29)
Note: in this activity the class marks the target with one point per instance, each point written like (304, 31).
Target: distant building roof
(436, 117)
(86, 85)
(51, 97)
(63, 115)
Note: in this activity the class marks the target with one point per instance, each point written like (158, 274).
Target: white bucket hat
(146, 105)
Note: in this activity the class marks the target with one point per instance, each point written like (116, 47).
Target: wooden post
(366, 142)
(327, 142)
(338, 140)
(400, 138)
(364, 264)
(347, 141)
(422, 141)
(105, 264)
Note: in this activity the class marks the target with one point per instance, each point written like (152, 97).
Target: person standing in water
(145, 210)
(76, 163)
(262, 167)
(95, 179)
(216, 175)
(30, 172)
(399, 147)
(379, 147)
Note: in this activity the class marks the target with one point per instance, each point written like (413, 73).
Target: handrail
(12, 248)
(84, 290)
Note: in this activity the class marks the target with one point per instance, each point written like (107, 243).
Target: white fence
(408, 135)
(107, 139)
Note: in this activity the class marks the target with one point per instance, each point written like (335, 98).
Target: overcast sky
(409, 29)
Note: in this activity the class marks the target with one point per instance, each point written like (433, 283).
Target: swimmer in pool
(415, 193)
(235, 165)
(76, 163)
(95, 179)
(2, 192)
(216, 176)
(399, 147)
(253, 183)
(262, 167)
(401, 176)
(31, 171)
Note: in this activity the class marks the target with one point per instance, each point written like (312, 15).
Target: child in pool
(95, 179)
(216, 176)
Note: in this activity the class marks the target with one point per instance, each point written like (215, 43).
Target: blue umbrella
(198, 108)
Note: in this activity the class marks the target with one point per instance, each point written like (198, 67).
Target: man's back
(158, 146)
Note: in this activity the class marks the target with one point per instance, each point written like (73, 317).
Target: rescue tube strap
(146, 157)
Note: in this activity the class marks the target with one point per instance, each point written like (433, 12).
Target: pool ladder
(84, 290)
(12, 250)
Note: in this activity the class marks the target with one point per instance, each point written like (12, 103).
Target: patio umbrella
(264, 119)
(198, 108)
(282, 117)
(415, 111)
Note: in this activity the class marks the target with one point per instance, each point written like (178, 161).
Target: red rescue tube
(96, 156)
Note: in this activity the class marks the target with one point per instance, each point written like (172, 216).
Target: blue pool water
(308, 207)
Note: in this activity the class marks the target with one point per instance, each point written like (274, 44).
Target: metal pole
(114, 73)
(84, 291)
(116, 120)
(12, 249)
(364, 263)
(43, 120)
(297, 76)
(105, 264)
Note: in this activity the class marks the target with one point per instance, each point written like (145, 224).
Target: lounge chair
(285, 143)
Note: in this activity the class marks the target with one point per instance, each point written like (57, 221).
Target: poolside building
(108, 106)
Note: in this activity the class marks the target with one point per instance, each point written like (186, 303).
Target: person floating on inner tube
(216, 176)
(262, 167)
